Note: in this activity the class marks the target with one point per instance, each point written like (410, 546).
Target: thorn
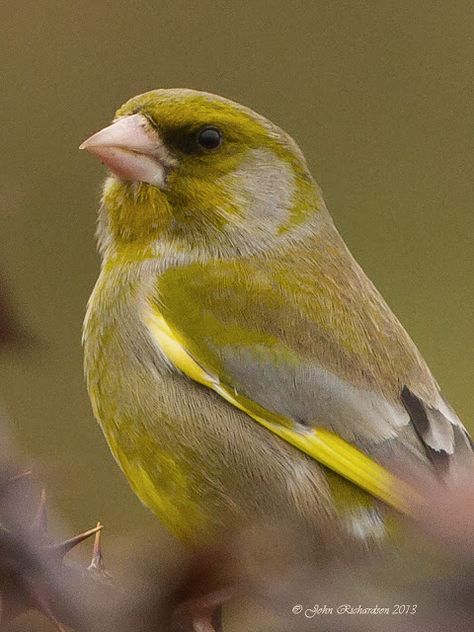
(63, 548)
(11, 480)
(40, 521)
(20, 476)
(97, 562)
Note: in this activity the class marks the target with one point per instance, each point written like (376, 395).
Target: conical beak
(132, 149)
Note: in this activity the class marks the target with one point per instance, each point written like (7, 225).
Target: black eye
(209, 138)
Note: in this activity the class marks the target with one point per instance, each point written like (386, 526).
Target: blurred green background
(377, 93)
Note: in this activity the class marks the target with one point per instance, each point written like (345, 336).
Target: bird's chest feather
(118, 352)
(127, 378)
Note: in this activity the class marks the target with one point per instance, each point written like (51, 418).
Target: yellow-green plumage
(226, 295)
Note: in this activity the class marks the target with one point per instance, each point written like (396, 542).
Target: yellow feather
(322, 445)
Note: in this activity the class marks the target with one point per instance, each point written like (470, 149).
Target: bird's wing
(324, 384)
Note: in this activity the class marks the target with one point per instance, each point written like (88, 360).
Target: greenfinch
(239, 361)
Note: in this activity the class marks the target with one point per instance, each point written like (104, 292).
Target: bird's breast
(119, 355)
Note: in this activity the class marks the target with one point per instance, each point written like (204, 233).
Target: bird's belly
(202, 466)
(161, 482)
(196, 461)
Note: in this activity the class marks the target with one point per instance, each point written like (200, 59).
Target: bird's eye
(209, 138)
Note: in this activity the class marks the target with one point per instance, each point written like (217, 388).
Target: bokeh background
(379, 95)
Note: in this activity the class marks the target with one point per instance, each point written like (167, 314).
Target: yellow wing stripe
(322, 445)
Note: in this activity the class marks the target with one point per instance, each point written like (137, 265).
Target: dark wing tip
(440, 431)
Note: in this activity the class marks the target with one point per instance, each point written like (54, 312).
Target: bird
(239, 361)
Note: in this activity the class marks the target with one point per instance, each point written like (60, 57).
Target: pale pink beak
(132, 149)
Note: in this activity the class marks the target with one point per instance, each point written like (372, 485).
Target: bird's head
(200, 172)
